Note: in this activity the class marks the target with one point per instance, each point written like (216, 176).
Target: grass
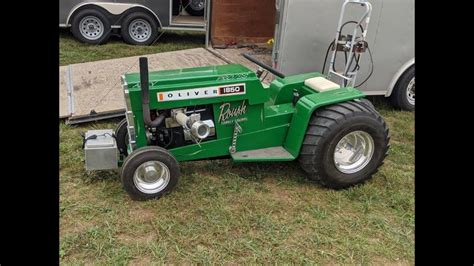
(237, 213)
(73, 52)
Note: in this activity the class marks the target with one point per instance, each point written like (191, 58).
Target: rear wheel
(345, 144)
(149, 172)
(90, 26)
(403, 95)
(139, 28)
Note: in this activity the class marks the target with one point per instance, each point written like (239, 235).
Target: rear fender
(304, 110)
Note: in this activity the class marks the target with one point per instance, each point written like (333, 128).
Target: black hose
(371, 69)
(326, 57)
(333, 43)
(146, 95)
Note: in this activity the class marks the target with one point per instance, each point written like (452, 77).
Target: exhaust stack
(146, 95)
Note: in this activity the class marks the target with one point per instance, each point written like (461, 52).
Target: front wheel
(345, 144)
(149, 172)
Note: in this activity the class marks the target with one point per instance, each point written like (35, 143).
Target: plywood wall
(242, 21)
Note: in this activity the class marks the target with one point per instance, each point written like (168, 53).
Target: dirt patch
(396, 261)
(140, 214)
(141, 239)
(141, 261)
(284, 196)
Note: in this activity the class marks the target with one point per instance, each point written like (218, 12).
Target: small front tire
(149, 172)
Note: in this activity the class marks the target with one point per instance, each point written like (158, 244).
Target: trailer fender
(112, 8)
(304, 110)
(397, 75)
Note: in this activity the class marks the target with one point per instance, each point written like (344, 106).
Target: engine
(182, 126)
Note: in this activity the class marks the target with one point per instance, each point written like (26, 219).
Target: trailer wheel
(194, 7)
(403, 95)
(90, 26)
(121, 136)
(139, 28)
(149, 172)
(345, 144)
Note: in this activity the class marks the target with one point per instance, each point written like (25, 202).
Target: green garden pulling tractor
(198, 113)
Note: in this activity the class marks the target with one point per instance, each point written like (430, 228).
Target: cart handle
(267, 67)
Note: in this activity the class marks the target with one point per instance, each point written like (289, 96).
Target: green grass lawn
(72, 51)
(233, 213)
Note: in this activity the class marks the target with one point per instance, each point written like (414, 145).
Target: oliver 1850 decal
(209, 92)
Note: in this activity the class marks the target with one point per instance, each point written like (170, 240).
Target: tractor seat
(321, 84)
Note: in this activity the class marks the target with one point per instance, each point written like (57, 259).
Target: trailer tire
(149, 172)
(194, 8)
(403, 95)
(338, 133)
(139, 28)
(121, 137)
(99, 31)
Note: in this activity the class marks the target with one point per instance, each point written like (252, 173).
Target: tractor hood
(200, 85)
(209, 74)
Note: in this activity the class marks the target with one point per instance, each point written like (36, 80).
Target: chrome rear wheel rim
(353, 152)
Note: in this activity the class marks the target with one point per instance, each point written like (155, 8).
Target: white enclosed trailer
(305, 29)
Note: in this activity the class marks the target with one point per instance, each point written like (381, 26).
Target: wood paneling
(242, 21)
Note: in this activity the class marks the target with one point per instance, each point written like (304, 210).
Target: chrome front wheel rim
(353, 152)
(91, 27)
(151, 177)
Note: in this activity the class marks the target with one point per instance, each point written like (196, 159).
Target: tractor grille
(129, 116)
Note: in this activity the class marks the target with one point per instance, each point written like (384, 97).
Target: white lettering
(234, 89)
(227, 112)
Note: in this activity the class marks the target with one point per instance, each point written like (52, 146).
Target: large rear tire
(149, 172)
(345, 144)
